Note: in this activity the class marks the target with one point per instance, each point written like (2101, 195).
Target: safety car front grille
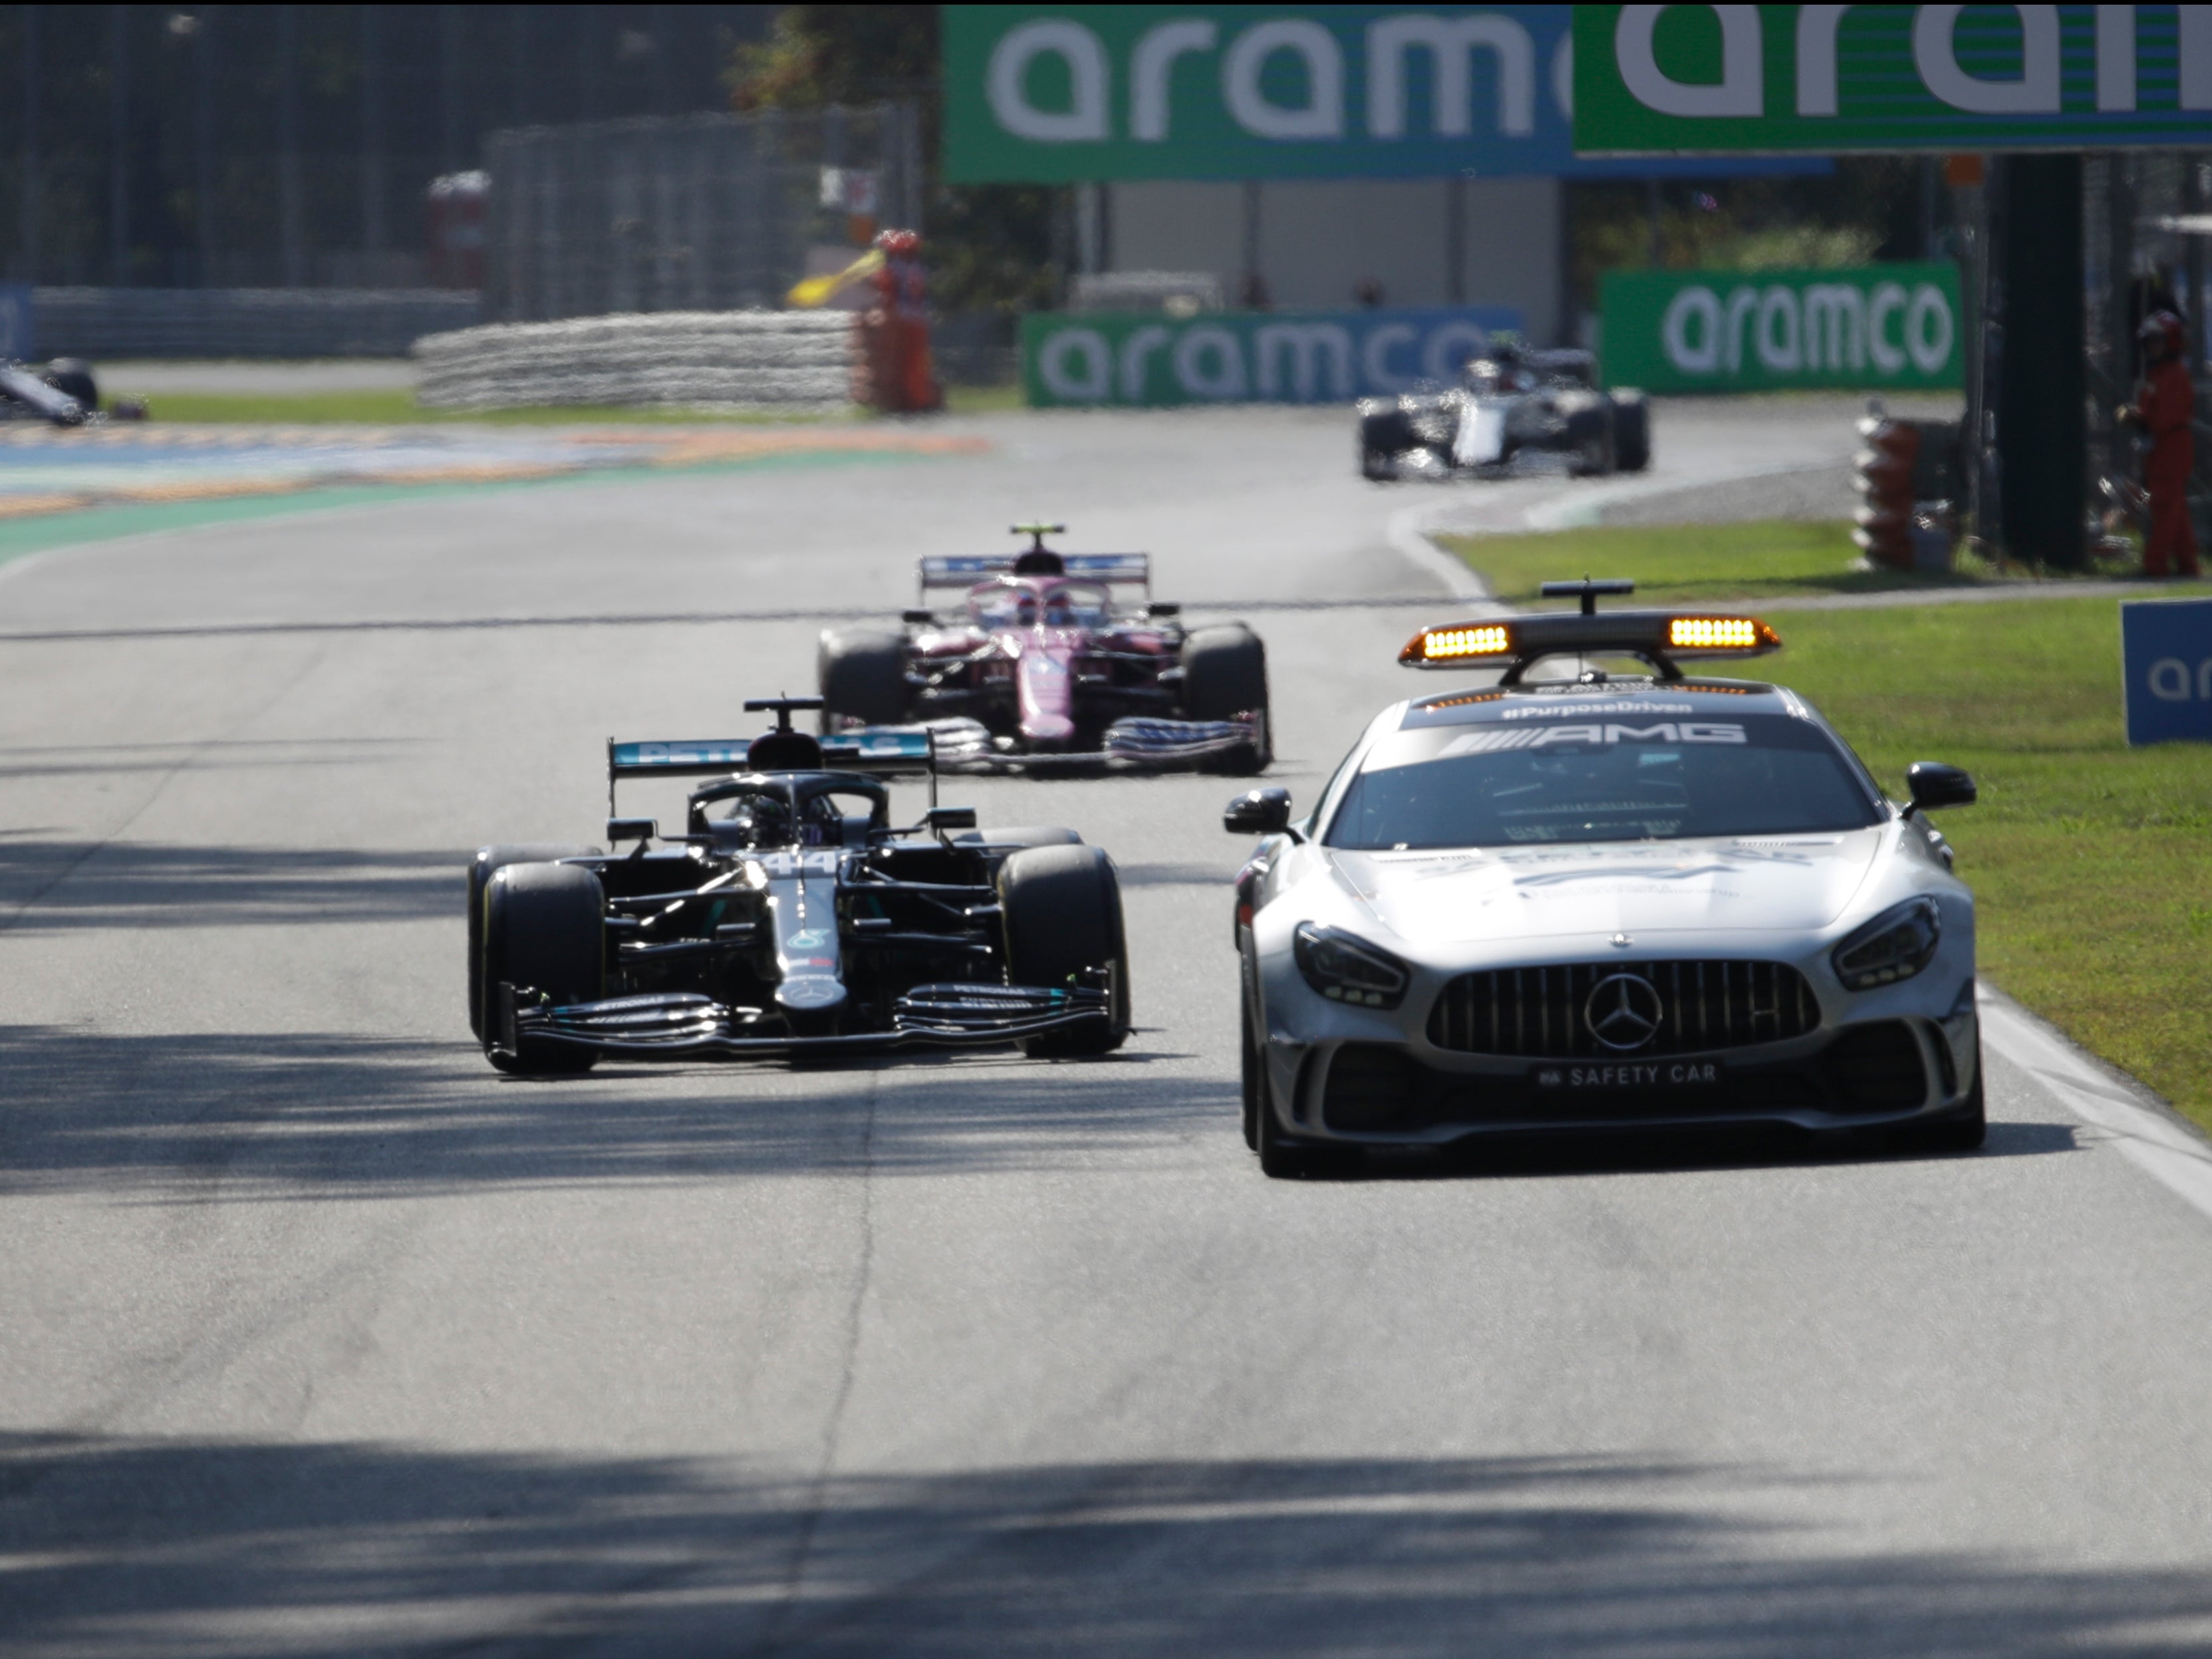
(1700, 1007)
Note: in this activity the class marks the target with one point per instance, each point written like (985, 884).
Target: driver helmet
(1026, 611)
(763, 821)
(1059, 610)
(2163, 335)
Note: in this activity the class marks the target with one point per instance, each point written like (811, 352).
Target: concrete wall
(1317, 237)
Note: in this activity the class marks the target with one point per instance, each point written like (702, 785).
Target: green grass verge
(2091, 862)
(982, 399)
(1701, 563)
(397, 406)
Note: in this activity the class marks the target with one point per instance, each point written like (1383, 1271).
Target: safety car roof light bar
(1516, 643)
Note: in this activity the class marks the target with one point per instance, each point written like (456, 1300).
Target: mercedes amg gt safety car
(791, 916)
(1510, 403)
(1045, 669)
(1612, 902)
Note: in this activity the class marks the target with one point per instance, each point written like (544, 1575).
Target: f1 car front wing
(688, 1025)
(1137, 742)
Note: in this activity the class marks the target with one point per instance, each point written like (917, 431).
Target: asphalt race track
(317, 1337)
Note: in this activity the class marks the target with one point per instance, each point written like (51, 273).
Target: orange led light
(1713, 633)
(1441, 644)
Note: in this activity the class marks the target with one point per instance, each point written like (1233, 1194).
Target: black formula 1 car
(1510, 403)
(1045, 670)
(792, 917)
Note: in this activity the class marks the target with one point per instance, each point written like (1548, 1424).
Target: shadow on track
(1654, 1151)
(136, 885)
(299, 1551)
(171, 1116)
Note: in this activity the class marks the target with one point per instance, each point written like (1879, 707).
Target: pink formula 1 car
(1045, 670)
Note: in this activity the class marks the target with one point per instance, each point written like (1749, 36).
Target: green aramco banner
(1752, 80)
(1874, 328)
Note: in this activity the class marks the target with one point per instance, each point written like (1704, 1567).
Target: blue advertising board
(2166, 661)
(18, 335)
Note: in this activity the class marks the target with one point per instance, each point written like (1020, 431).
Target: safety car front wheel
(1283, 1156)
(1960, 1131)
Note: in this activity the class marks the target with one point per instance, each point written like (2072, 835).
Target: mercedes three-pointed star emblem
(1623, 1011)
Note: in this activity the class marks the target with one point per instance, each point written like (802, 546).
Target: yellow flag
(819, 290)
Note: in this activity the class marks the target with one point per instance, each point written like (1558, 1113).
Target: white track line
(1408, 531)
(2145, 1132)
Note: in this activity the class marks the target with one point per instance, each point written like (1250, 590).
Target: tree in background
(1871, 207)
(989, 246)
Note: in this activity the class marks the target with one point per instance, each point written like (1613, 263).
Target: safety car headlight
(1896, 945)
(1344, 967)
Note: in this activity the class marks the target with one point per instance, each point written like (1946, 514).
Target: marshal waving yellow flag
(817, 291)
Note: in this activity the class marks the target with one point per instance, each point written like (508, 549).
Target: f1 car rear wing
(883, 751)
(1516, 643)
(965, 570)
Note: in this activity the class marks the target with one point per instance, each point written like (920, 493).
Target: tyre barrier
(784, 359)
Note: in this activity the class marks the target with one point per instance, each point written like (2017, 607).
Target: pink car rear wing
(965, 570)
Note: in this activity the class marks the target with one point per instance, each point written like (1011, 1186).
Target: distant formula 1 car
(791, 917)
(1510, 402)
(63, 394)
(1045, 669)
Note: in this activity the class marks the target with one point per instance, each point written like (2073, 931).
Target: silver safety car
(1603, 901)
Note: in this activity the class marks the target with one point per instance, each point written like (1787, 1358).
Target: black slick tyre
(1251, 1061)
(1384, 435)
(1061, 910)
(487, 862)
(861, 675)
(1224, 674)
(1283, 1156)
(545, 929)
(1590, 449)
(1632, 432)
(72, 377)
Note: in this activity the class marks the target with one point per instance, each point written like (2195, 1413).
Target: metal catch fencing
(688, 213)
(107, 323)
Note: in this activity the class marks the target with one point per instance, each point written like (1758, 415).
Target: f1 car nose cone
(1041, 728)
(810, 993)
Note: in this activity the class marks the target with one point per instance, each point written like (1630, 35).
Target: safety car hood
(1781, 882)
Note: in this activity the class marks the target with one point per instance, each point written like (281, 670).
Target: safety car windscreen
(1574, 775)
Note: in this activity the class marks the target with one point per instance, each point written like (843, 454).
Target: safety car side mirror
(1258, 812)
(1934, 784)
